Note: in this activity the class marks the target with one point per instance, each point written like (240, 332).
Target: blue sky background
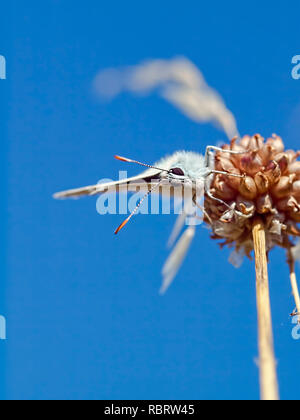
(85, 320)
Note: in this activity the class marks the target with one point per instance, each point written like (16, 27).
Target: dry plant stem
(293, 278)
(267, 362)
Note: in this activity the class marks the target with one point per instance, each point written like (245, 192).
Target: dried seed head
(270, 188)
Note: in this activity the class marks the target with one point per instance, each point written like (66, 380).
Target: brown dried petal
(276, 228)
(223, 190)
(296, 188)
(293, 229)
(232, 181)
(246, 207)
(262, 182)
(227, 230)
(295, 216)
(233, 142)
(283, 187)
(248, 188)
(256, 142)
(293, 155)
(279, 216)
(276, 143)
(245, 142)
(290, 154)
(273, 172)
(266, 153)
(251, 163)
(283, 162)
(288, 204)
(237, 148)
(224, 164)
(236, 159)
(264, 204)
(294, 168)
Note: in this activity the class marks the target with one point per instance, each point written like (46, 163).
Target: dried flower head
(270, 189)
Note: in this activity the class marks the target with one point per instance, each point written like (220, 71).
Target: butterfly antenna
(123, 159)
(137, 207)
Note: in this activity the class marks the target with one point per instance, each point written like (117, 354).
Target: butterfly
(187, 175)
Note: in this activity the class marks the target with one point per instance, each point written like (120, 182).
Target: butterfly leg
(202, 209)
(217, 199)
(219, 149)
(209, 154)
(227, 173)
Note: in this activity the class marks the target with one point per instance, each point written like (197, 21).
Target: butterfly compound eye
(177, 171)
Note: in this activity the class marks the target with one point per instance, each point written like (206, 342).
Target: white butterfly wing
(123, 184)
(176, 258)
(191, 163)
(177, 229)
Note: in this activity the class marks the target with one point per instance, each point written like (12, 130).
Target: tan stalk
(267, 363)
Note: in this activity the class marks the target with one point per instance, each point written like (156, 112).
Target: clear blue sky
(84, 316)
